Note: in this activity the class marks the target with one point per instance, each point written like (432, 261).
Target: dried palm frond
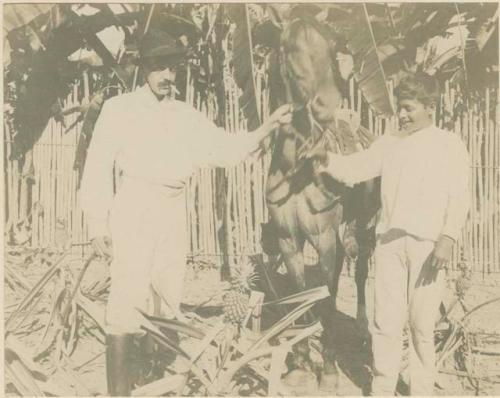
(36, 289)
(176, 326)
(21, 370)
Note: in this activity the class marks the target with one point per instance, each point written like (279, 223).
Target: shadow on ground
(352, 352)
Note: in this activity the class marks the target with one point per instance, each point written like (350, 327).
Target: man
(424, 172)
(156, 143)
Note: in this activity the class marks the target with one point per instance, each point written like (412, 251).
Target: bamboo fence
(234, 197)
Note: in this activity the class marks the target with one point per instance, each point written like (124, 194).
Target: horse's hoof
(301, 382)
(329, 383)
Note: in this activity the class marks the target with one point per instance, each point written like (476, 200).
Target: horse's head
(309, 69)
(312, 78)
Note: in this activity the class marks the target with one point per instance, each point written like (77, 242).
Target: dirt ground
(83, 372)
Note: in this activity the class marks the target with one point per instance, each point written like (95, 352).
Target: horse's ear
(322, 16)
(304, 10)
(342, 58)
(277, 13)
(345, 63)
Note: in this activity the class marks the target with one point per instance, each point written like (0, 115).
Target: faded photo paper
(225, 199)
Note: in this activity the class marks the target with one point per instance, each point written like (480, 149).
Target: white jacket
(162, 142)
(425, 188)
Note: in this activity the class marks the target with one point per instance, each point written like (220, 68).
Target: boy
(425, 198)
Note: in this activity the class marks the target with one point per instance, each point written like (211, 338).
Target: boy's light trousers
(406, 288)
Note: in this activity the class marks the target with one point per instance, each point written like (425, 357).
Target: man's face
(160, 75)
(161, 82)
(414, 115)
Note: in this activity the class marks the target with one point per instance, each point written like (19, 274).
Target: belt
(170, 188)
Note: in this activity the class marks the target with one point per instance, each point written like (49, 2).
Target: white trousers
(406, 288)
(149, 235)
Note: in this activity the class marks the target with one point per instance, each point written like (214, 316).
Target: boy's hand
(443, 250)
(319, 156)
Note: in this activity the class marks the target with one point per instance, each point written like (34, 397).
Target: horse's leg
(331, 257)
(333, 281)
(322, 234)
(291, 250)
(291, 246)
(368, 203)
(361, 274)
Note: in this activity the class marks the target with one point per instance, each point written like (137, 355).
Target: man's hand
(443, 250)
(282, 115)
(102, 247)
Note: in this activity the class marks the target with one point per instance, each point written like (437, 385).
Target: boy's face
(414, 115)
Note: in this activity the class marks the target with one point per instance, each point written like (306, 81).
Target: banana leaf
(33, 108)
(19, 15)
(369, 71)
(243, 62)
(89, 121)
(487, 30)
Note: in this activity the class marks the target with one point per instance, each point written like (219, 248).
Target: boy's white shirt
(425, 184)
(162, 142)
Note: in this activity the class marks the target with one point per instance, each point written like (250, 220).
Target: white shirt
(425, 189)
(162, 142)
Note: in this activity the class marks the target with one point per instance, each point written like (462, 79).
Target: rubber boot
(118, 350)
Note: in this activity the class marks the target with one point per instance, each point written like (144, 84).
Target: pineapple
(236, 299)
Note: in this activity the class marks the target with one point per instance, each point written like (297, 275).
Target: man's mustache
(168, 84)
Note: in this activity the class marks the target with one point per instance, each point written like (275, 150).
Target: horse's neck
(285, 151)
(293, 139)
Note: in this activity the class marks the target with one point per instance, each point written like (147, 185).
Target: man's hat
(158, 44)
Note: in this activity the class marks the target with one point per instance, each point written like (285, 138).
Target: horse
(304, 206)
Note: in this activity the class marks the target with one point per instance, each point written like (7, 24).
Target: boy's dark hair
(420, 87)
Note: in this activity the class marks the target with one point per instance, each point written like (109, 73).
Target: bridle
(311, 142)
